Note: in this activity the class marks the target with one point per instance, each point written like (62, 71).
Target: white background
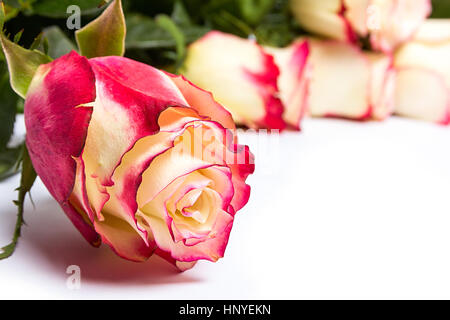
(342, 210)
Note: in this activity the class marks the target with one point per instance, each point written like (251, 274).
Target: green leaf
(166, 23)
(58, 43)
(278, 28)
(58, 8)
(232, 24)
(441, 9)
(19, 4)
(20, 105)
(253, 11)
(144, 33)
(22, 63)
(8, 108)
(105, 36)
(180, 15)
(26, 182)
(8, 162)
(14, 7)
(12, 3)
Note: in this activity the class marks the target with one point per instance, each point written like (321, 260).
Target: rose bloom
(139, 159)
(240, 75)
(387, 23)
(423, 83)
(337, 79)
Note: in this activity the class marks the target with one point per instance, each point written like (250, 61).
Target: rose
(423, 83)
(110, 138)
(336, 80)
(241, 76)
(357, 84)
(293, 81)
(388, 23)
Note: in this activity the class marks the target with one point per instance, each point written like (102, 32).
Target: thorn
(32, 201)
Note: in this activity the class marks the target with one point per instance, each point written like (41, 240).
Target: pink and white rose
(347, 82)
(387, 23)
(423, 66)
(113, 140)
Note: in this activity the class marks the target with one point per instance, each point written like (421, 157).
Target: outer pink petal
(57, 127)
(240, 173)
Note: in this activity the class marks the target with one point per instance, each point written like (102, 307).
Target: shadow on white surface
(61, 246)
(352, 211)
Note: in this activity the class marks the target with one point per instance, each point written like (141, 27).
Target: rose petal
(397, 21)
(339, 81)
(294, 80)
(57, 127)
(422, 94)
(323, 17)
(382, 83)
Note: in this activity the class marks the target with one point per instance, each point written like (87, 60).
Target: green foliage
(253, 11)
(441, 9)
(9, 158)
(59, 43)
(26, 182)
(172, 28)
(143, 32)
(58, 8)
(277, 28)
(166, 36)
(22, 64)
(8, 101)
(104, 36)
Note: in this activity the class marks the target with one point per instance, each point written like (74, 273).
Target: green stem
(26, 182)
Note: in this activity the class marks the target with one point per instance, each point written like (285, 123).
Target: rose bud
(293, 81)
(241, 77)
(349, 83)
(423, 84)
(387, 23)
(112, 140)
